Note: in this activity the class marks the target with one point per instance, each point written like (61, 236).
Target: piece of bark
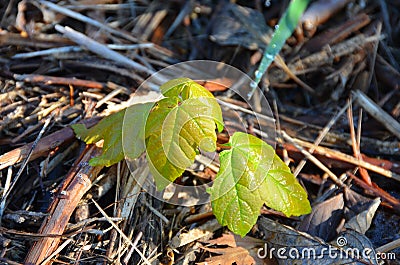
(77, 183)
(55, 80)
(43, 147)
(335, 35)
(41, 41)
(337, 159)
(100, 49)
(376, 191)
(319, 12)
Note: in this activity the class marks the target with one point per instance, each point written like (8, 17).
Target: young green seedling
(174, 129)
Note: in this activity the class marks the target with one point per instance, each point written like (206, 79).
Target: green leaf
(184, 88)
(251, 175)
(111, 129)
(177, 126)
(283, 192)
(133, 129)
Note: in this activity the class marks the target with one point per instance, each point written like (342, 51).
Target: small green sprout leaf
(112, 128)
(177, 126)
(251, 175)
(133, 129)
(184, 88)
(283, 192)
(108, 129)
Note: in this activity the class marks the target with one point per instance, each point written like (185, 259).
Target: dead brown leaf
(241, 251)
(238, 255)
